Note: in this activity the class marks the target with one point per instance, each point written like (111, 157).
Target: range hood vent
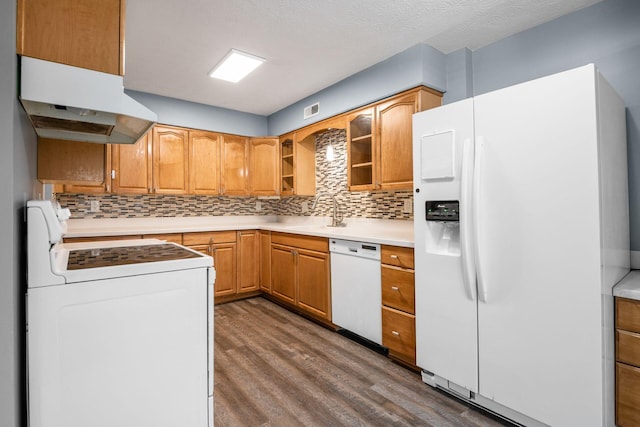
(40, 122)
(71, 103)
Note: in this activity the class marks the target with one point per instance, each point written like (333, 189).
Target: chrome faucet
(337, 216)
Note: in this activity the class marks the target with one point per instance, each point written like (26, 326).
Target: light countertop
(629, 287)
(387, 232)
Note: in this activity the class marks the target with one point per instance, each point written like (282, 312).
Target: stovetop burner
(109, 257)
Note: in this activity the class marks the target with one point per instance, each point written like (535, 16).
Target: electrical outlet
(304, 207)
(258, 205)
(95, 206)
(408, 206)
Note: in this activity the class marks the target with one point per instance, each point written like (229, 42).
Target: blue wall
(18, 176)
(199, 116)
(420, 64)
(459, 76)
(606, 34)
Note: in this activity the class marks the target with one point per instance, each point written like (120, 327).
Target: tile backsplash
(331, 178)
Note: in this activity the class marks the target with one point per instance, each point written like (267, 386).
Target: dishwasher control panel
(359, 249)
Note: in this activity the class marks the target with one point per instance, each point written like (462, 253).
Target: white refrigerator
(521, 231)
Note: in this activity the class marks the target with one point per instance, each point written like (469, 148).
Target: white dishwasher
(356, 294)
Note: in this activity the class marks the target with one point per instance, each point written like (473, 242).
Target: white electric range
(119, 333)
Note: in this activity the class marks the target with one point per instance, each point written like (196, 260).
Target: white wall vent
(311, 110)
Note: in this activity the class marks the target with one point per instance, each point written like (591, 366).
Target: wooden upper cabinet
(263, 166)
(394, 121)
(298, 164)
(361, 150)
(234, 165)
(395, 165)
(82, 167)
(131, 166)
(170, 160)
(287, 155)
(83, 33)
(95, 187)
(204, 163)
(380, 141)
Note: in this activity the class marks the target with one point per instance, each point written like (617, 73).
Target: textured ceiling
(309, 44)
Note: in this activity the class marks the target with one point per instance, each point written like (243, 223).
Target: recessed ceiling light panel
(235, 66)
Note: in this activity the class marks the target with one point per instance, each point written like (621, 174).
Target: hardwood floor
(275, 368)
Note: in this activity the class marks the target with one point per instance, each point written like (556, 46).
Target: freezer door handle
(477, 187)
(466, 223)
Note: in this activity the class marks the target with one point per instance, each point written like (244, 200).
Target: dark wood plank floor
(275, 368)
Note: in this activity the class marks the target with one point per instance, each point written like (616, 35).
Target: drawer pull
(395, 288)
(393, 256)
(396, 333)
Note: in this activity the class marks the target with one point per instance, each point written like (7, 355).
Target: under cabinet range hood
(71, 103)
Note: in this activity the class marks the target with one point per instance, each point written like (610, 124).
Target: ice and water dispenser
(438, 189)
(443, 227)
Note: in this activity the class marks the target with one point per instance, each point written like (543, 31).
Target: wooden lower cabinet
(221, 245)
(399, 334)
(313, 281)
(627, 395)
(398, 288)
(300, 273)
(248, 261)
(236, 259)
(265, 261)
(169, 237)
(627, 362)
(283, 272)
(225, 263)
(398, 303)
(100, 238)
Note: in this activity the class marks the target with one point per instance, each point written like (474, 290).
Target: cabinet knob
(395, 288)
(393, 256)
(396, 333)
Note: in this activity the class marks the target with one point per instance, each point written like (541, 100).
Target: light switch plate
(408, 206)
(95, 206)
(258, 205)
(304, 207)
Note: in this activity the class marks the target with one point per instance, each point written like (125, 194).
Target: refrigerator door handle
(475, 206)
(466, 223)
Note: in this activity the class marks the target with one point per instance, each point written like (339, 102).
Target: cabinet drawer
(171, 237)
(628, 347)
(319, 244)
(399, 334)
(208, 237)
(628, 314)
(398, 256)
(627, 395)
(100, 238)
(398, 290)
